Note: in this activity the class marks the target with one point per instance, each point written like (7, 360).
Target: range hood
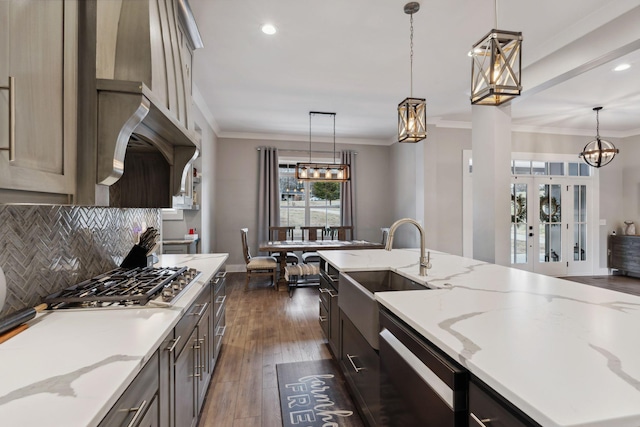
(144, 54)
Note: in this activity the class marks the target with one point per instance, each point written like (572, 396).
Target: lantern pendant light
(598, 152)
(412, 112)
(328, 172)
(496, 66)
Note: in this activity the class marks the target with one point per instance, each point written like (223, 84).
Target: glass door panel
(550, 225)
(519, 244)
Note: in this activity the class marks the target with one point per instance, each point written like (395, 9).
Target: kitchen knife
(18, 318)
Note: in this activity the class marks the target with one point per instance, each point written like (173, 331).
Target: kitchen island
(563, 353)
(70, 366)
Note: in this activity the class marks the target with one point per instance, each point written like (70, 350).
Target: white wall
(237, 188)
(442, 174)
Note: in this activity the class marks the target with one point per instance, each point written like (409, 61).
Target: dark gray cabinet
(360, 364)
(624, 254)
(328, 307)
(488, 409)
(423, 386)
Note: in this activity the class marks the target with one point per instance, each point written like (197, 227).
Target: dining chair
(257, 265)
(311, 233)
(344, 232)
(282, 234)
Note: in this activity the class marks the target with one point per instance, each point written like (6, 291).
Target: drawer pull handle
(481, 422)
(11, 87)
(328, 291)
(350, 357)
(221, 275)
(221, 299)
(175, 342)
(322, 318)
(202, 309)
(138, 411)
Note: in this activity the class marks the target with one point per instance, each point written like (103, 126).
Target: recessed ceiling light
(622, 67)
(268, 29)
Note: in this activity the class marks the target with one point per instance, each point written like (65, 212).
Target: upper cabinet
(38, 71)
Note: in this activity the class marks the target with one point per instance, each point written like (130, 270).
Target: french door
(550, 219)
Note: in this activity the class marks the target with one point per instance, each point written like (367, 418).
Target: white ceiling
(351, 57)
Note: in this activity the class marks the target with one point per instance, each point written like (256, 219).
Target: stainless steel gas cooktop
(121, 288)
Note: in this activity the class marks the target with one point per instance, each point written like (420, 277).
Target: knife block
(137, 257)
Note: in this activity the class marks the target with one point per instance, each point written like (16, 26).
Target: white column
(491, 144)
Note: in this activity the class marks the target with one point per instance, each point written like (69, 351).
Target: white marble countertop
(565, 353)
(70, 366)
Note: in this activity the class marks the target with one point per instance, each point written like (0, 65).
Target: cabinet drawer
(361, 365)
(137, 399)
(190, 319)
(220, 329)
(488, 409)
(323, 318)
(219, 293)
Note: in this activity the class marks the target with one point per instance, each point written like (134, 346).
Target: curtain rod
(306, 151)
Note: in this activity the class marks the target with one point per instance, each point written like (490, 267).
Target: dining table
(284, 246)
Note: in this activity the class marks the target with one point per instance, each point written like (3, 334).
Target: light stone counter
(565, 353)
(70, 366)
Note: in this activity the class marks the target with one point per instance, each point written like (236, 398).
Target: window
(307, 203)
(533, 167)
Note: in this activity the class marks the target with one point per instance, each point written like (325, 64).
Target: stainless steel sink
(357, 302)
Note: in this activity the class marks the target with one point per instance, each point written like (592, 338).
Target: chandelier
(335, 172)
(496, 66)
(598, 152)
(412, 112)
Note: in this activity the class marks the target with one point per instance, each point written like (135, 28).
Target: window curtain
(268, 191)
(347, 193)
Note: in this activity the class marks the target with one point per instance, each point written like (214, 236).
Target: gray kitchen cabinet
(138, 405)
(177, 378)
(38, 60)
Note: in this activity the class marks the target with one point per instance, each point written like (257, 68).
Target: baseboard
(236, 268)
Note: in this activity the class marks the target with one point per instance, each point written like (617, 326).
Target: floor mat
(314, 394)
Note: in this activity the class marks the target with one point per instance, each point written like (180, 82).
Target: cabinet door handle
(221, 334)
(138, 411)
(175, 342)
(322, 318)
(221, 299)
(11, 87)
(350, 357)
(196, 361)
(481, 422)
(202, 309)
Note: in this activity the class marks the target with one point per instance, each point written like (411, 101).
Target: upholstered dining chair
(313, 232)
(257, 265)
(281, 234)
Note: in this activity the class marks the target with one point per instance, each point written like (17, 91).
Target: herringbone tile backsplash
(45, 248)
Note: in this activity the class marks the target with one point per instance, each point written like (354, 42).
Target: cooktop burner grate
(122, 287)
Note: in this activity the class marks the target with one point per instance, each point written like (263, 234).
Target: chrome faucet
(424, 260)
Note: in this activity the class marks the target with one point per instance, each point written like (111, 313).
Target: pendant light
(328, 172)
(496, 63)
(598, 152)
(412, 112)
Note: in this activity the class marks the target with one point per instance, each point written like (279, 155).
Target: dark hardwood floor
(264, 327)
(626, 284)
